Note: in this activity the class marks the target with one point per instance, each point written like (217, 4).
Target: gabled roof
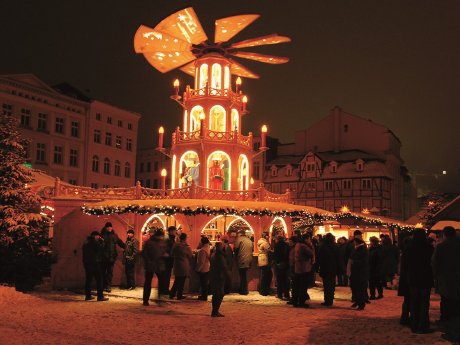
(285, 160)
(449, 212)
(346, 156)
(30, 80)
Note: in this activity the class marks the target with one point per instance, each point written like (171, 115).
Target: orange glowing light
(161, 130)
(365, 211)
(245, 99)
(251, 181)
(264, 129)
(176, 83)
(419, 225)
(345, 209)
(238, 81)
(201, 116)
(164, 173)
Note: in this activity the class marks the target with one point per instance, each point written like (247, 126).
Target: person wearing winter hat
(129, 258)
(92, 261)
(111, 240)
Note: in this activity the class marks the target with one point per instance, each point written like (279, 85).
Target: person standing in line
(342, 278)
(420, 278)
(390, 260)
(129, 259)
(243, 251)
(263, 262)
(403, 286)
(446, 267)
(359, 276)
(228, 254)
(303, 264)
(219, 274)
(182, 255)
(281, 260)
(166, 278)
(153, 254)
(375, 269)
(111, 240)
(328, 263)
(93, 250)
(202, 267)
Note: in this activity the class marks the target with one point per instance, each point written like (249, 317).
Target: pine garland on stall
(21, 226)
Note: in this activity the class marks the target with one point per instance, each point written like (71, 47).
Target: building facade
(150, 163)
(61, 125)
(344, 160)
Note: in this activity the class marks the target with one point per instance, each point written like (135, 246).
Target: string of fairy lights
(304, 217)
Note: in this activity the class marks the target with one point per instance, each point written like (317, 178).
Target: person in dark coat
(169, 261)
(390, 259)
(243, 251)
(420, 279)
(182, 255)
(403, 287)
(111, 240)
(218, 275)
(303, 265)
(202, 267)
(93, 250)
(328, 263)
(129, 258)
(153, 253)
(446, 267)
(281, 261)
(359, 276)
(375, 268)
(228, 253)
(342, 278)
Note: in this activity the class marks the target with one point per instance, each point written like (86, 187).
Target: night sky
(394, 62)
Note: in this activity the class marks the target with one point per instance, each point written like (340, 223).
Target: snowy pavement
(53, 317)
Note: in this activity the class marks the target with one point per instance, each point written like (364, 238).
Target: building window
(94, 185)
(25, 117)
(155, 183)
(75, 129)
(8, 109)
(117, 169)
(311, 167)
(108, 139)
(311, 186)
(149, 166)
(97, 136)
(274, 171)
(73, 159)
(155, 166)
(95, 166)
(42, 119)
(107, 166)
(120, 123)
(256, 170)
(109, 120)
(118, 142)
(130, 126)
(141, 167)
(328, 185)
(59, 128)
(73, 182)
(347, 184)
(129, 144)
(147, 183)
(127, 170)
(98, 116)
(57, 155)
(333, 167)
(288, 170)
(41, 153)
(366, 183)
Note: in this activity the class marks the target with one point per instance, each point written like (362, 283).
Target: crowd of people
(422, 261)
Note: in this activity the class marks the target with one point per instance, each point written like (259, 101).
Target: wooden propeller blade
(183, 25)
(149, 40)
(189, 68)
(261, 41)
(238, 69)
(271, 59)
(226, 28)
(167, 61)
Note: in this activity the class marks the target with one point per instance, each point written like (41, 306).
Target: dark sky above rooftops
(396, 62)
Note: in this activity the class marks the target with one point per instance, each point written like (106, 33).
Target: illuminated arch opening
(216, 76)
(217, 118)
(221, 225)
(195, 118)
(235, 120)
(159, 220)
(203, 77)
(243, 172)
(278, 224)
(219, 174)
(185, 121)
(173, 172)
(189, 169)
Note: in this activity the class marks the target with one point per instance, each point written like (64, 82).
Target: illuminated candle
(161, 132)
(245, 101)
(263, 136)
(176, 86)
(238, 84)
(163, 178)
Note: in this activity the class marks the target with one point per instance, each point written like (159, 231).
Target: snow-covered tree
(21, 225)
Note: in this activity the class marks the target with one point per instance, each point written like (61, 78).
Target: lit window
(216, 81)
(217, 119)
(227, 78)
(203, 77)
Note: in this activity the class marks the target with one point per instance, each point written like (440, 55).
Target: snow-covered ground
(50, 317)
